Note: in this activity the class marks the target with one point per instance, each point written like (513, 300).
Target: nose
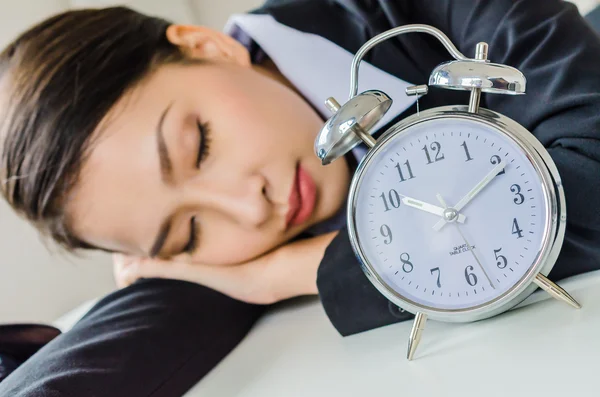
(243, 201)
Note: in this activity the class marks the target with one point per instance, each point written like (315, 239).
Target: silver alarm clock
(456, 213)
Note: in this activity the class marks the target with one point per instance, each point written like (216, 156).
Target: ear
(204, 43)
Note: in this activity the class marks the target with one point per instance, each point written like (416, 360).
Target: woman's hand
(283, 273)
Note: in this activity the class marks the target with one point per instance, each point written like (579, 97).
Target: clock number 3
(516, 189)
(407, 265)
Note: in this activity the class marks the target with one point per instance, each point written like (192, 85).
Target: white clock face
(491, 242)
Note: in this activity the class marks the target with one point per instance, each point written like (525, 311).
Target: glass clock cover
(458, 265)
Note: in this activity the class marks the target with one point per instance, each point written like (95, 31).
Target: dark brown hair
(59, 79)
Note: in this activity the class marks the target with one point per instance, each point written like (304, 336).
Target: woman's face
(212, 162)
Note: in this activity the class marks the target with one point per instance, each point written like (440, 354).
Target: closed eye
(192, 243)
(203, 146)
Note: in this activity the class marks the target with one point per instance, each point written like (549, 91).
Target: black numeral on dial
(436, 269)
(437, 149)
(470, 277)
(387, 233)
(399, 168)
(516, 189)
(407, 265)
(502, 262)
(515, 228)
(495, 159)
(464, 145)
(393, 199)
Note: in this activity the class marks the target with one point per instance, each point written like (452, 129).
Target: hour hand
(432, 209)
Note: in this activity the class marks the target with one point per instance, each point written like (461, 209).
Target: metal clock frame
(554, 201)
(353, 122)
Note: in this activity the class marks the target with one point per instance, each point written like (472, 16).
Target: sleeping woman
(188, 153)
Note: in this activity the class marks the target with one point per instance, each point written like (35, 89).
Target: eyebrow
(166, 171)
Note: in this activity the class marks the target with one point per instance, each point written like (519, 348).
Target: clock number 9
(387, 233)
(471, 277)
(394, 199)
(516, 189)
(495, 159)
(407, 265)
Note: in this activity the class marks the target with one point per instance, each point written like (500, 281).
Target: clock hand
(469, 246)
(432, 209)
(469, 196)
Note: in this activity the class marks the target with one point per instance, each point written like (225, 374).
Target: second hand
(471, 248)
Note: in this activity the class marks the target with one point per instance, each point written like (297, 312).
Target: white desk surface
(543, 348)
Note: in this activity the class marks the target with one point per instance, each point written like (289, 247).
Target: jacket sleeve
(157, 337)
(559, 54)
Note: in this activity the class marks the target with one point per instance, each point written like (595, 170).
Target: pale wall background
(34, 284)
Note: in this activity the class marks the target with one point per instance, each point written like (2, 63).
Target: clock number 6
(437, 269)
(471, 277)
(407, 265)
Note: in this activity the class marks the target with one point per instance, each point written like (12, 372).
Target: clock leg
(555, 290)
(415, 334)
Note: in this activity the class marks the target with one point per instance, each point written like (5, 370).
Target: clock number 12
(437, 149)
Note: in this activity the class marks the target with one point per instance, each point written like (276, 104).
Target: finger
(126, 269)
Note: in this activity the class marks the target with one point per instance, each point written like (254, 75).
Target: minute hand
(469, 196)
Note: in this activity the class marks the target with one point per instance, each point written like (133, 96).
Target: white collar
(317, 67)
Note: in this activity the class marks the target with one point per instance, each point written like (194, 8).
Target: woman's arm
(283, 273)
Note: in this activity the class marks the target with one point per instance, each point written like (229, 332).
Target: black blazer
(547, 40)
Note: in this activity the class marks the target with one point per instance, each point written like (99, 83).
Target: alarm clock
(456, 213)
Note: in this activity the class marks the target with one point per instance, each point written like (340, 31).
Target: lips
(302, 198)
